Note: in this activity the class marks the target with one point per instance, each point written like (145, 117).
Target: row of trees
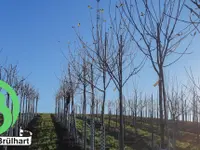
(27, 94)
(65, 97)
(140, 108)
(152, 30)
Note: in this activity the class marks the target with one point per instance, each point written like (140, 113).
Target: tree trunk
(121, 142)
(37, 106)
(84, 110)
(116, 118)
(121, 122)
(174, 131)
(162, 125)
(92, 115)
(152, 128)
(197, 133)
(135, 120)
(74, 119)
(109, 120)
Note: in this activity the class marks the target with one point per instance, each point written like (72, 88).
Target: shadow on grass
(65, 140)
(131, 139)
(30, 127)
(61, 142)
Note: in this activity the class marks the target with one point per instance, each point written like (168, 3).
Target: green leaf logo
(9, 118)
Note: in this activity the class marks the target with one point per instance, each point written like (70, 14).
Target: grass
(111, 141)
(45, 136)
(145, 128)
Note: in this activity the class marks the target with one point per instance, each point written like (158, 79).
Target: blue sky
(33, 33)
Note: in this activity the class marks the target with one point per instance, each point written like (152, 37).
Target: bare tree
(99, 53)
(83, 79)
(194, 89)
(157, 33)
(173, 99)
(183, 99)
(115, 70)
(73, 83)
(152, 117)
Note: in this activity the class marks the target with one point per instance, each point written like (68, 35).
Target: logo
(24, 139)
(10, 118)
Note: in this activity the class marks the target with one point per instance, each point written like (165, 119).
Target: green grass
(45, 137)
(144, 128)
(111, 142)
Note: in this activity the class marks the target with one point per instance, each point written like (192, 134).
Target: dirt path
(65, 140)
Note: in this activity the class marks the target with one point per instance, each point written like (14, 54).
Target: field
(48, 134)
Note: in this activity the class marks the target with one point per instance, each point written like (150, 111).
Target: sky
(33, 35)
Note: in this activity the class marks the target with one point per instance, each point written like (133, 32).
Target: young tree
(152, 117)
(195, 100)
(73, 85)
(99, 53)
(116, 70)
(82, 77)
(183, 99)
(173, 99)
(157, 33)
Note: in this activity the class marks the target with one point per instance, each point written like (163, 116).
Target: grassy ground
(48, 134)
(111, 141)
(133, 141)
(185, 140)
